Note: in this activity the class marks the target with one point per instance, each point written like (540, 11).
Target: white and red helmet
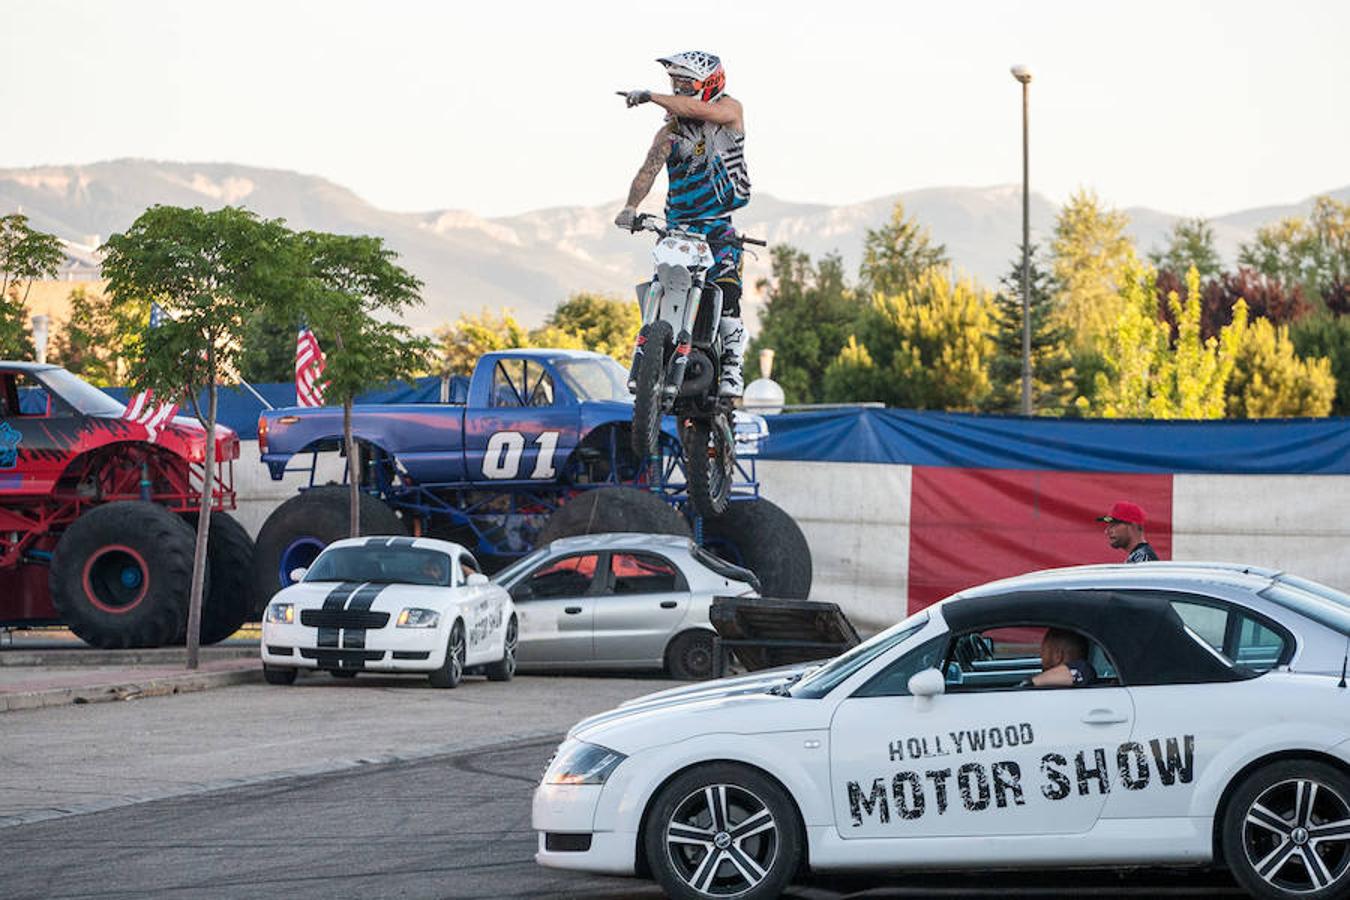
(703, 70)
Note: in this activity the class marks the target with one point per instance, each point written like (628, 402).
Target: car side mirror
(926, 685)
(298, 574)
(476, 578)
(522, 591)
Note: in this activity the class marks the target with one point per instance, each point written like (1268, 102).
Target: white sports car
(1207, 723)
(391, 604)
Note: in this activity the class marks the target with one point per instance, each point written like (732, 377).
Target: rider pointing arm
(702, 146)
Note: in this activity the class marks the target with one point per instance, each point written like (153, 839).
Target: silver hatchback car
(621, 601)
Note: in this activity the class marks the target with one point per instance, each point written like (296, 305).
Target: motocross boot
(732, 333)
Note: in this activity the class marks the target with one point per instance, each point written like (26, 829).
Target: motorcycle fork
(679, 360)
(647, 305)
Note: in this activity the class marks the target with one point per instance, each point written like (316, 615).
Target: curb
(71, 657)
(132, 690)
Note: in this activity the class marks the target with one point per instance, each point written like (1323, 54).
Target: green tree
(92, 343)
(929, 347)
(1089, 255)
(897, 254)
(1051, 365)
(596, 322)
(209, 271)
(349, 280)
(1270, 380)
(1327, 336)
(1190, 245)
(25, 256)
(809, 315)
(461, 344)
(268, 355)
(1149, 374)
(1312, 252)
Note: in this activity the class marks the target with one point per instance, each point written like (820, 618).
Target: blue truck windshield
(595, 379)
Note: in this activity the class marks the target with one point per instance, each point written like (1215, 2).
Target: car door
(644, 598)
(555, 604)
(986, 758)
(526, 432)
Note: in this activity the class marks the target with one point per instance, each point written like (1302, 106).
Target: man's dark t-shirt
(1142, 552)
(1082, 671)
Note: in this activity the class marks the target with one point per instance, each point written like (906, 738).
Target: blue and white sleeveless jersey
(707, 171)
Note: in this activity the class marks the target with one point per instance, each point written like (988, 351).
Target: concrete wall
(258, 494)
(856, 519)
(1300, 523)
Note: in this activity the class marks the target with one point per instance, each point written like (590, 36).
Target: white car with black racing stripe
(398, 605)
(1163, 714)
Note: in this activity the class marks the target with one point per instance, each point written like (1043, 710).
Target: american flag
(309, 364)
(142, 408)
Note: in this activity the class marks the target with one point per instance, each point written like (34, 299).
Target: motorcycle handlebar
(649, 222)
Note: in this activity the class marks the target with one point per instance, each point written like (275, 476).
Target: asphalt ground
(453, 826)
(378, 787)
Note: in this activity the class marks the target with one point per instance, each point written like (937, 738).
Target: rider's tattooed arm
(726, 111)
(646, 176)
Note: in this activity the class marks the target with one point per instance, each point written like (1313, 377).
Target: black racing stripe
(336, 599)
(361, 601)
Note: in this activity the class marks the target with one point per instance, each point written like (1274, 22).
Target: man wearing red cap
(1125, 531)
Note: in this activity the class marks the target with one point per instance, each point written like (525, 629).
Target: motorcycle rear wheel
(651, 378)
(710, 463)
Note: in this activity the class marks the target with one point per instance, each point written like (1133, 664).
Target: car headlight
(415, 617)
(280, 613)
(582, 763)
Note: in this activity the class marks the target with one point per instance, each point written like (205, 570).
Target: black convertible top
(1139, 630)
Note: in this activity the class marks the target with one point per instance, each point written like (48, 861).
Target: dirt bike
(677, 363)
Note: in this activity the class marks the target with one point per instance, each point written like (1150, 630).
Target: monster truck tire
(761, 537)
(121, 575)
(297, 529)
(228, 601)
(613, 509)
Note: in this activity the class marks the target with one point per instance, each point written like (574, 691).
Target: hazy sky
(1197, 108)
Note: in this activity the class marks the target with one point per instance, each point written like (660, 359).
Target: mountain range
(529, 262)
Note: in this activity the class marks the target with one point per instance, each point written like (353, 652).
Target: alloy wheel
(722, 840)
(1297, 836)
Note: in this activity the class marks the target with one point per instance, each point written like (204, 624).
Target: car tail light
(262, 434)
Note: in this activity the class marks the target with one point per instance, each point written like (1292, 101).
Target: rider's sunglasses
(683, 86)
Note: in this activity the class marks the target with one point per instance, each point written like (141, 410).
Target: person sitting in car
(434, 571)
(1064, 660)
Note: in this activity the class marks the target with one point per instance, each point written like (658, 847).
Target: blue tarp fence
(920, 438)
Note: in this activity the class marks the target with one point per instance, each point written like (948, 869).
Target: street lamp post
(1023, 74)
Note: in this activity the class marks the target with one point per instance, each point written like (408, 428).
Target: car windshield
(84, 397)
(524, 564)
(382, 565)
(816, 684)
(595, 378)
(1324, 605)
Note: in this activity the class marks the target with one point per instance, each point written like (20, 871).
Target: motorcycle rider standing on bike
(702, 145)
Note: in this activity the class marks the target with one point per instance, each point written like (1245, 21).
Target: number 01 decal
(505, 449)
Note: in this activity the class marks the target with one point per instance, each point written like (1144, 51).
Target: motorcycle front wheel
(710, 463)
(651, 378)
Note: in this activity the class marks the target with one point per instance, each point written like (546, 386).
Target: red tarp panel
(969, 526)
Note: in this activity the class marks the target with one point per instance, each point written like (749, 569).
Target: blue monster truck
(536, 448)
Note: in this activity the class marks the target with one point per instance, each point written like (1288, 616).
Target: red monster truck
(98, 516)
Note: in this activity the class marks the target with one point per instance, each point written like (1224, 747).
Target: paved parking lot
(96, 756)
(378, 787)
(454, 826)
